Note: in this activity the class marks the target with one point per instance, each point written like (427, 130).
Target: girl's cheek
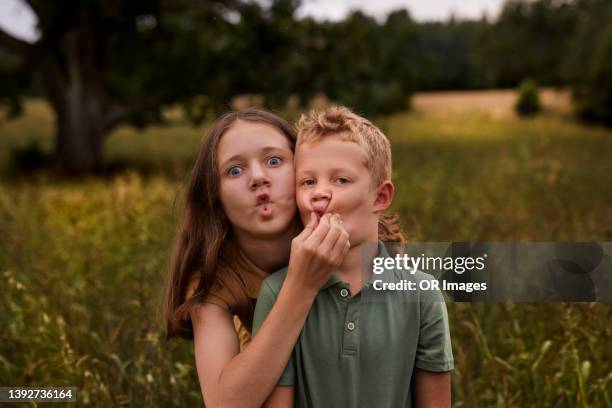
(289, 181)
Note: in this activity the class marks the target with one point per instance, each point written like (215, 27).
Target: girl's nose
(259, 177)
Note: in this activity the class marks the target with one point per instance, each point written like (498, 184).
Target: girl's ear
(384, 196)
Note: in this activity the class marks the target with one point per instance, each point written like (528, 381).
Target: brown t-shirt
(236, 288)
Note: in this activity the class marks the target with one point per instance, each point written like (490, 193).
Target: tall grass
(82, 261)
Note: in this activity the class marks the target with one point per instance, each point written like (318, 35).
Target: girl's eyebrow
(238, 157)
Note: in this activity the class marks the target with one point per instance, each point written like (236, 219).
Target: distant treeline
(372, 65)
(101, 64)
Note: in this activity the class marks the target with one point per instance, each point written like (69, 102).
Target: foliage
(528, 101)
(133, 59)
(589, 69)
(445, 60)
(529, 39)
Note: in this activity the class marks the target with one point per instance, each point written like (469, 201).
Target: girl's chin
(277, 224)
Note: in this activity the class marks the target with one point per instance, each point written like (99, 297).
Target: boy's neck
(352, 269)
(272, 254)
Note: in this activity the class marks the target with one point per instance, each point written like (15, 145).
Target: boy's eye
(342, 180)
(308, 182)
(234, 171)
(274, 161)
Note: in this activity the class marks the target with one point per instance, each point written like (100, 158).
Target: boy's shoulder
(275, 280)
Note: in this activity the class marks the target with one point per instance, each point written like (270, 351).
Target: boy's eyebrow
(238, 156)
(305, 172)
(340, 169)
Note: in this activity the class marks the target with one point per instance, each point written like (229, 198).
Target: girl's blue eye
(274, 161)
(234, 171)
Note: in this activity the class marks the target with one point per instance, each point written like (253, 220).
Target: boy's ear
(384, 196)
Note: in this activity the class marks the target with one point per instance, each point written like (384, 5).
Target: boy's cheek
(302, 204)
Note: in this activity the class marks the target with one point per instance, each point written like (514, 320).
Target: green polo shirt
(361, 351)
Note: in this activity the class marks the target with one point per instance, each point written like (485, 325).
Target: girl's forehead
(244, 138)
(243, 134)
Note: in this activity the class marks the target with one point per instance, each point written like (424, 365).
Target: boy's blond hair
(341, 120)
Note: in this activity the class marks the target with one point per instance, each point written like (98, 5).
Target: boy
(358, 349)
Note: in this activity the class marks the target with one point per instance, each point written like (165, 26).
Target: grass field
(82, 261)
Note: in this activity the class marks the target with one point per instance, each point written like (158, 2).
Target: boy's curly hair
(354, 128)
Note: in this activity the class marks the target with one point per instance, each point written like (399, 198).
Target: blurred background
(499, 113)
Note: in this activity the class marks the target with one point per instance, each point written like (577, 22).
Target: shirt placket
(350, 330)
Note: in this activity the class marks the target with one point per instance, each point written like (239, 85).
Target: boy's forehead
(337, 146)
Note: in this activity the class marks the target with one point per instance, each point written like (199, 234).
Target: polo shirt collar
(334, 279)
(382, 253)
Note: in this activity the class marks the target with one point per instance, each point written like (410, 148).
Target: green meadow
(82, 261)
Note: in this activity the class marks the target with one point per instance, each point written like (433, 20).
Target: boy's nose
(320, 199)
(321, 192)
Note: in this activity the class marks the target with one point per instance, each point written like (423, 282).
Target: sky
(421, 10)
(18, 20)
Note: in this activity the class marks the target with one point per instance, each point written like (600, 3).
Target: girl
(238, 225)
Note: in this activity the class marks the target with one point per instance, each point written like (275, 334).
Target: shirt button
(350, 326)
(344, 293)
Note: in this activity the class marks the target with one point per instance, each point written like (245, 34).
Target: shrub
(528, 102)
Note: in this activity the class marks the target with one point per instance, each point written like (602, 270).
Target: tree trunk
(80, 125)
(80, 133)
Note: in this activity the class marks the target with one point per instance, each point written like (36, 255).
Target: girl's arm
(281, 397)
(230, 378)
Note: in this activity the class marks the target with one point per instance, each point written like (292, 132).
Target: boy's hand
(317, 252)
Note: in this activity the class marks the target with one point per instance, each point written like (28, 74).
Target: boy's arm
(434, 351)
(432, 390)
(434, 358)
(282, 397)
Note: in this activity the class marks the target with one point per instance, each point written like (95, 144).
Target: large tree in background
(105, 62)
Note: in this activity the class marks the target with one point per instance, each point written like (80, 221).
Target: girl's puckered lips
(264, 205)
(263, 198)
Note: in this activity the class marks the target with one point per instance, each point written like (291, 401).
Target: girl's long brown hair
(203, 227)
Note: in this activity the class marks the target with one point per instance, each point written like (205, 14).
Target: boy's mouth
(319, 209)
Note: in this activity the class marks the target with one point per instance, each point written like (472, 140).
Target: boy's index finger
(321, 230)
(307, 231)
(310, 227)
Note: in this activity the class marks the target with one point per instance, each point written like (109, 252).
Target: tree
(589, 68)
(105, 62)
(446, 54)
(528, 100)
(529, 39)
